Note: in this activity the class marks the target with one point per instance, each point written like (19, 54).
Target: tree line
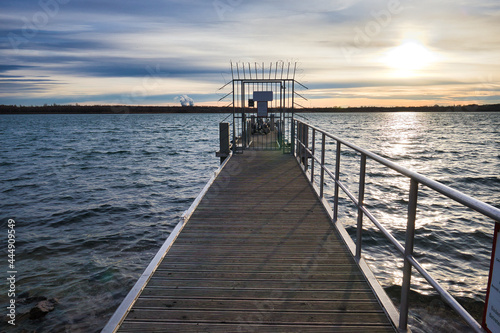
(124, 109)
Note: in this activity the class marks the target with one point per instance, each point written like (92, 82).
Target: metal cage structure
(263, 103)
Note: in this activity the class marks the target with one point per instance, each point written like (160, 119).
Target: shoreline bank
(124, 109)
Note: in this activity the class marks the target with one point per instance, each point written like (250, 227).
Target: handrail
(303, 153)
(458, 196)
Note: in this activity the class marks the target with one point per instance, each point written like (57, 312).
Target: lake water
(95, 196)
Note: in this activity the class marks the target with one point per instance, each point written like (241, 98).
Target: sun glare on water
(409, 58)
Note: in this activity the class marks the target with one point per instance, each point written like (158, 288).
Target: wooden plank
(286, 305)
(303, 268)
(148, 326)
(254, 284)
(259, 294)
(258, 254)
(256, 316)
(269, 276)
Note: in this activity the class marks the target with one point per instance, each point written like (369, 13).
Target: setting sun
(408, 58)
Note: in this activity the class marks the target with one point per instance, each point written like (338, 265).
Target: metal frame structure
(306, 153)
(278, 78)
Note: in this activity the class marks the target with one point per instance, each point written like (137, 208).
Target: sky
(162, 52)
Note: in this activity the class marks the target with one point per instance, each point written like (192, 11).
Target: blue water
(95, 196)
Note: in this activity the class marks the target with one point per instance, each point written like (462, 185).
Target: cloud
(94, 45)
(7, 68)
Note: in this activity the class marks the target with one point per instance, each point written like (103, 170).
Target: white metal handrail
(303, 152)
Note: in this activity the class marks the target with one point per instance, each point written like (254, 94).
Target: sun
(408, 58)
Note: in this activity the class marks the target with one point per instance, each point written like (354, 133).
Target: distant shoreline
(123, 109)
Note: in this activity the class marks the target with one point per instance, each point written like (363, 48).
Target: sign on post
(262, 97)
(491, 316)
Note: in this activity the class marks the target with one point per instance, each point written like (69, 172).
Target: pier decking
(258, 254)
(265, 142)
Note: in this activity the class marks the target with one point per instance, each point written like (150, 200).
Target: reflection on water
(401, 131)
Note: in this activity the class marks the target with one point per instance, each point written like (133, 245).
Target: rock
(29, 300)
(42, 308)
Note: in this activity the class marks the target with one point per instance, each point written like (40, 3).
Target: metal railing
(308, 153)
(261, 133)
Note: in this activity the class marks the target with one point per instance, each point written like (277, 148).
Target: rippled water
(95, 196)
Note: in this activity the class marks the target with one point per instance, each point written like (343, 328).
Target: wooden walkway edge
(259, 254)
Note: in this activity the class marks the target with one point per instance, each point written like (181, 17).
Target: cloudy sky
(349, 52)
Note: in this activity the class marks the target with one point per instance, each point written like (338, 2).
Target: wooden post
(224, 142)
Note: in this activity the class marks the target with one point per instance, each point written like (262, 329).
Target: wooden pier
(259, 254)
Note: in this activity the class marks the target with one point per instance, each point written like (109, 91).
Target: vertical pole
(249, 131)
(283, 95)
(243, 96)
(361, 198)
(243, 104)
(299, 137)
(410, 235)
(244, 133)
(234, 115)
(305, 141)
(223, 141)
(302, 135)
(312, 153)
(285, 92)
(293, 96)
(337, 175)
(322, 178)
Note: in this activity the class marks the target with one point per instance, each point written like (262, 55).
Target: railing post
(299, 137)
(305, 141)
(300, 140)
(244, 136)
(248, 131)
(235, 146)
(322, 178)
(313, 145)
(361, 198)
(410, 235)
(337, 175)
